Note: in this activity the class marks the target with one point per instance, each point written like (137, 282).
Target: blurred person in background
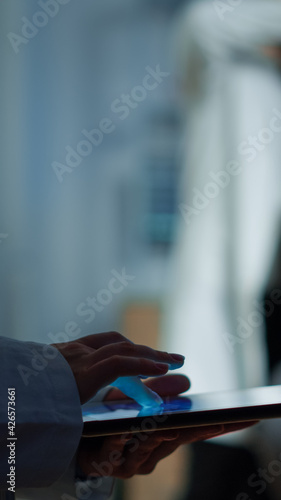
(227, 61)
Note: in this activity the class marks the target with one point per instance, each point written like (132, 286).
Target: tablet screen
(129, 409)
(196, 409)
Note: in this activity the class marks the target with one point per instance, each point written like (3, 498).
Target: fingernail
(162, 367)
(178, 357)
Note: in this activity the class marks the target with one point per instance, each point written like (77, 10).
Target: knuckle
(69, 348)
(73, 345)
(127, 348)
(117, 337)
(147, 469)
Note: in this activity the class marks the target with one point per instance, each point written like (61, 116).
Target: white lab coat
(48, 424)
(223, 254)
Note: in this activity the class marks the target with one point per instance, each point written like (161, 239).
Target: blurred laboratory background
(141, 141)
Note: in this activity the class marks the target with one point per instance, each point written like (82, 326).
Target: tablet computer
(117, 417)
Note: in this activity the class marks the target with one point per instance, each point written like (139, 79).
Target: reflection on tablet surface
(129, 409)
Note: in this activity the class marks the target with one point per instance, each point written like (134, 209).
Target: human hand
(138, 453)
(99, 359)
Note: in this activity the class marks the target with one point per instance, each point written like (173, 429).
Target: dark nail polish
(178, 357)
